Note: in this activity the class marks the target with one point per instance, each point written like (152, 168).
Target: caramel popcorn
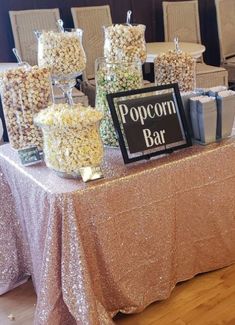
(71, 137)
(126, 42)
(175, 67)
(63, 52)
(24, 92)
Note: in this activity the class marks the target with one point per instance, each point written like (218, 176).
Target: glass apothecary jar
(71, 138)
(175, 67)
(63, 52)
(114, 77)
(25, 91)
(125, 42)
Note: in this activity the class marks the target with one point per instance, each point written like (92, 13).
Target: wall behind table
(148, 12)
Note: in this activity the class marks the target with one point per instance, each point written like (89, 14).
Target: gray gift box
(225, 116)
(186, 105)
(185, 96)
(194, 119)
(204, 120)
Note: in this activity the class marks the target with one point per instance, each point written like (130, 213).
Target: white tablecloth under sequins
(119, 243)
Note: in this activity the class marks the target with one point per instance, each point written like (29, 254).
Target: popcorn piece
(111, 78)
(175, 67)
(24, 92)
(71, 137)
(11, 317)
(63, 52)
(126, 42)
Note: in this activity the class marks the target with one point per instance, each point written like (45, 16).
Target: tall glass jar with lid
(62, 51)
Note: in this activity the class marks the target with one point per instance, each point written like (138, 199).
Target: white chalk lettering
(157, 137)
(149, 108)
(171, 107)
(123, 111)
(142, 113)
(134, 114)
(158, 109)
(148, 139)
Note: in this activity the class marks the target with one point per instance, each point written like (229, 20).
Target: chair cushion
(231, 60)
(202, 68)
(208, 76)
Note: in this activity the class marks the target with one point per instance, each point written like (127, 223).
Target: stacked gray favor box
(209, 113)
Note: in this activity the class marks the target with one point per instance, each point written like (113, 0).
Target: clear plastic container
(62, 52)
(71, 138)
(175, 67)
(25, 91)
(114, 77)
(125, 42)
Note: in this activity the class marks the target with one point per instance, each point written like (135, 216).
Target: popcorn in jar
(71, 138)
(175, 67)
(125, 42)
(110, 78)
(62, 51)
(25, 91)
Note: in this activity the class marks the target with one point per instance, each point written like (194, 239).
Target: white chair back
(92, 20)
(24, 23)
(225, 10)
(181, 19)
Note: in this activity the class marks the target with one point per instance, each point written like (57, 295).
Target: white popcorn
(62, 52)
(71, 137)
(175, 67)
(125, 42)
(24, 92)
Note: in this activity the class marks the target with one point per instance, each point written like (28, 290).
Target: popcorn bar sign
(149, 121)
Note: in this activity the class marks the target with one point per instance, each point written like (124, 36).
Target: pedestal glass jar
(125, 42)
(114, 77)
(175, 67)
(25, 91)
(63, 52)
(71, 138)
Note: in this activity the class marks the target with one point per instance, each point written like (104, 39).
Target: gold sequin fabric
(121, 242)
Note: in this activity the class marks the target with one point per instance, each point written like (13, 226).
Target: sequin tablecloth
(119, 243)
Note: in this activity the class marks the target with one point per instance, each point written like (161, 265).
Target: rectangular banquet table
(119, 243)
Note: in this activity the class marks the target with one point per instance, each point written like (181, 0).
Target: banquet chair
(225, 10)
(181, 19)
(91, 20)
(23, 24)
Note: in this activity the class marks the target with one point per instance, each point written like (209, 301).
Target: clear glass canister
(25, 91)
(175, 67)
(62, 51)
(112, 77)
(71, 138)
(125, 42)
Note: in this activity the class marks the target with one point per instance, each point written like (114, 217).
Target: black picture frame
(147, 154)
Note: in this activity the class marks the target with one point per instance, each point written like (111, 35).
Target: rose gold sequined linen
(119, 243)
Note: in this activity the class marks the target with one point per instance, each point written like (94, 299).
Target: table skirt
(119, 243)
